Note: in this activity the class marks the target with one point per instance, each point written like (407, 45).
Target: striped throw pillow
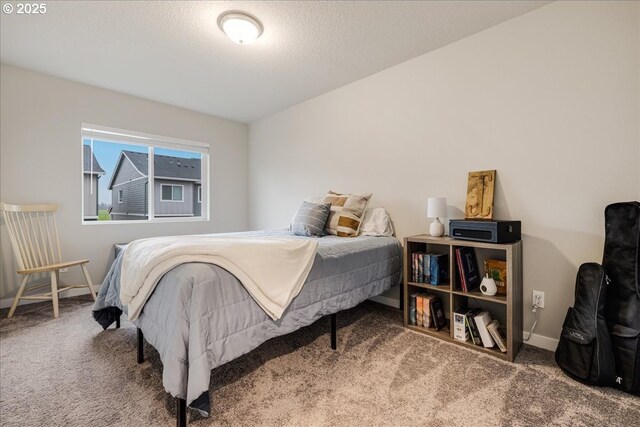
(347, 212)
(317, 200)
(310, 219)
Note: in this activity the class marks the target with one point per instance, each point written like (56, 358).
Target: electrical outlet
(538, 298)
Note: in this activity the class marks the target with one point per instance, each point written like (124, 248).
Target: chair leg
(88, 279)
(54, 293)
(18, 295)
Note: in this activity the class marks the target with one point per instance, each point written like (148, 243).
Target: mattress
(200, 316)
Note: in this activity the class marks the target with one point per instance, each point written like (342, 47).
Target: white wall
(40, 161)
(549, 99)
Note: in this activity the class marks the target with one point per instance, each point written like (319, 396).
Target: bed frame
(181, 404)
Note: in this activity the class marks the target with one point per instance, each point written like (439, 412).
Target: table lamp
(436, 208)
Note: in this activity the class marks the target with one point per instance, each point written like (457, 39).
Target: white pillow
(377, 222)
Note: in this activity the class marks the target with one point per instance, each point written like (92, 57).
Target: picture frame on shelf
(480, 191)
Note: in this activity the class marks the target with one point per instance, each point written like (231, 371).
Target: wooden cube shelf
(507, 308)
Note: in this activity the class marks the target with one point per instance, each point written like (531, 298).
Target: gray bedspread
(200, 316)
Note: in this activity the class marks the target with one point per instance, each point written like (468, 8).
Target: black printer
(485, 230)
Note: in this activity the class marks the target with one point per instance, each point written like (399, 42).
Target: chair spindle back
(33, 232)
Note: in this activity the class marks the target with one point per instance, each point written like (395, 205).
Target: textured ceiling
(173, 52)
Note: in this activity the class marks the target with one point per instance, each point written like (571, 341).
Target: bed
(200, 316)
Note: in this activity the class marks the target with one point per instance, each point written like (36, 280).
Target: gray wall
(550, 99)
(90, 207)
(41, 155)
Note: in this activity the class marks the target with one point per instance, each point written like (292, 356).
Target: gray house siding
(90, 167)
(90, 202)
(197, 206)
(130, 178)
(127, 172)
(183, 208)
(134, 201)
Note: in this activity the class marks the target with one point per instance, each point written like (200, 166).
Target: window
(172, 193)
(131, 176)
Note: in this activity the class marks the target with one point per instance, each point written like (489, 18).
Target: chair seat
(52, 267)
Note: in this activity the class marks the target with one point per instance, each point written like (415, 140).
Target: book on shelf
(497, 270)
(460, 273)
(412, 309)
(470, 277)
(460, 330)
(482, 319)
(419, 309)
(421, 273)
(437, 314)
(426, 262)
(438, 268)
(464, 325)
(426, 310)
(471, 325)
(496, 334)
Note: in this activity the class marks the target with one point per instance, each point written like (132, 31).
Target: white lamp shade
(437, 207)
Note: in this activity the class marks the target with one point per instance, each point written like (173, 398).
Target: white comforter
(272, 270)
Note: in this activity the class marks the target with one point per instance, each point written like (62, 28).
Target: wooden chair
(34, 237)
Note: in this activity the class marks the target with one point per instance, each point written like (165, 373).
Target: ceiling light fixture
(240, 27)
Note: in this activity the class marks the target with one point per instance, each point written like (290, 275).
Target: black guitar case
(584, 351)
(621, 261)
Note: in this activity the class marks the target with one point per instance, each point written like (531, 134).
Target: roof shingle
(86, 155)
(167, 166)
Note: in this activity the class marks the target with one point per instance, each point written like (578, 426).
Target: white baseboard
(541, 341)
(393, 302)
(6, 303)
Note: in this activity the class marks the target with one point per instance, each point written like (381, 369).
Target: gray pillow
(310, 219)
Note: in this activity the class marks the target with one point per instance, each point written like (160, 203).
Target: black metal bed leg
(334, 337)
(181, 412)
(118, 322)
(140, 346)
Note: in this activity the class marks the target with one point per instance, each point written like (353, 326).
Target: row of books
(429, 268)
(476, 326)
(470, 276)
(426, 310)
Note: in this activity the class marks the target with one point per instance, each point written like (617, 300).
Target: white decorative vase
(488, 286)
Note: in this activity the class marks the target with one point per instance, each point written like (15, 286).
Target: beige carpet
(68, 372)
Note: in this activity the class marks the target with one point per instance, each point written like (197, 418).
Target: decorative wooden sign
(480, 195)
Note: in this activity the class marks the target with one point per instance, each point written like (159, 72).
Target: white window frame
(120, 196)
(172, 199)
(151, 141)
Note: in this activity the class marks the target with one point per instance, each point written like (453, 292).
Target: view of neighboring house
(91, 177)
(177, 192)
